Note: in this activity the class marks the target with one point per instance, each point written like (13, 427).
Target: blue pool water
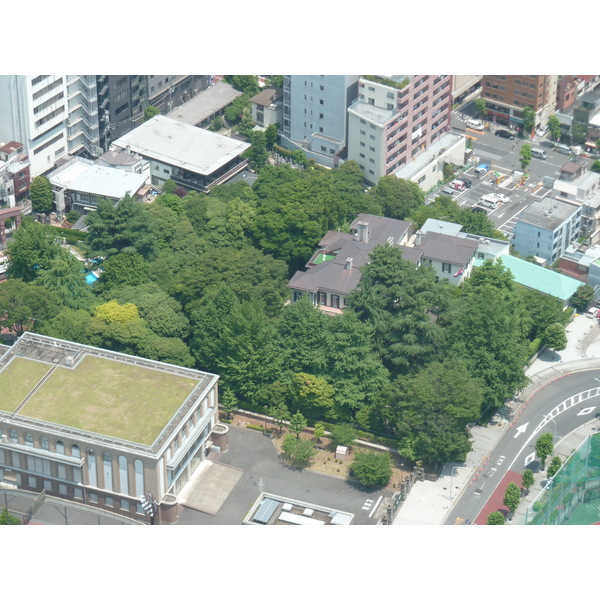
(90, 278)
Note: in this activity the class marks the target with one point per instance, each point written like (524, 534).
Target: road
(558, 408)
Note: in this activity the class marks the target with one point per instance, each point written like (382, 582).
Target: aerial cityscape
(300, 300)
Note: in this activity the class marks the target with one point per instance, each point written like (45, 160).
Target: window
(322, 88)
(323, 149)
(32, 482)
(123, 482)
(77, 493)
(60, 447)
(28, 439)
(93, 497)
(322, 298)
(321, 102)
(14, 436)
(320, 130)
(62, 471)
(446, 268)
(321, 116)
(124, 504)
(62, 489)
(75, 451)
(335, 301)
(109, 501)
(139, 477)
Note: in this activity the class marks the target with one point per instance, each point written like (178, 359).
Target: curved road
(558, 407)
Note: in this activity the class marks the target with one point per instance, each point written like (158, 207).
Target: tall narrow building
(315, 115)
(395, 118)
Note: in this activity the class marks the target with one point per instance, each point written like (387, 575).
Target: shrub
(372, 468)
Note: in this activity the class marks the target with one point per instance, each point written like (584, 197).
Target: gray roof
(267, 96)
(205, 104)
(332, 275)
(181, 145)
(118, 158)
(549, 213)
(445, 248)
(438, 226)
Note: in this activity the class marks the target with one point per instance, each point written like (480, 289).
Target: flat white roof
(181, 145)
(107, 181)
(64, 178)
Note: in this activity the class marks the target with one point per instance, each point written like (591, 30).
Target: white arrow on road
(521, 429)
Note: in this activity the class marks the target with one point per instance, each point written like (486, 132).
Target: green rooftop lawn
(111, 398)
(18, 379)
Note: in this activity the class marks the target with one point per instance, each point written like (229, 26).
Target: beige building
(102, 428)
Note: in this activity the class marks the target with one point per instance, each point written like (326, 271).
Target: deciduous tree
(512, 497)
(554, 337)
(544, 447)
(41, 194)
(525, 155)
(297, 423)
(397, 197)
(372, 468)
(554, 466)
(300, 451)
(496, 518)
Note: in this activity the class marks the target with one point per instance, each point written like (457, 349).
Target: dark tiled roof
(454, 250)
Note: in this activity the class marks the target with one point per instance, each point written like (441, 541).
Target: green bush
(534, 347)
(372, 468)
(255, 427)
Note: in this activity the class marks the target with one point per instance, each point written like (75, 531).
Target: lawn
(111, 398)
(18, 379)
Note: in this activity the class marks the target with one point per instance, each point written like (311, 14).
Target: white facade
(51, 115)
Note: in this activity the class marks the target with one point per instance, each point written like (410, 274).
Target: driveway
(254, 456)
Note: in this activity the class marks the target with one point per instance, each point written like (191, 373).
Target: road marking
(375, 507)
(521, 429)
(367, 504)
(529, 458)
(459, 521)
(586, 411)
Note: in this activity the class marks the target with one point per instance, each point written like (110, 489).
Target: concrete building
(139, 426)
(167, 92)
(122, 100)
(51, 115)
(426, 168)
(206, 105)
(15, 175)
(314, 115)
(80, 184)
(546, 228)
(267, 107)
(507, 95)
(395, 118)
(192, 157)
(465, 88)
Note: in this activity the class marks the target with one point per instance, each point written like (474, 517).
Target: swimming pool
(90, 278)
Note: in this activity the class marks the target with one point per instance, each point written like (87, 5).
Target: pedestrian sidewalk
(429, 502)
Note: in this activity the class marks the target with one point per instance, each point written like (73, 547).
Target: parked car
(475, 124)
(457, 184)
(504, 133)
(467, 182)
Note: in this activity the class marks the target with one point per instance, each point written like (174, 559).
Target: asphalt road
(558, 408)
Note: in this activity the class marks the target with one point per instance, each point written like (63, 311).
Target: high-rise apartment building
(507, 95)
(315, 114)
(395, 118)
(51, 115)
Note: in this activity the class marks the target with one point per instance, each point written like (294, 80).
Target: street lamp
(451, 479)
(553, 422)
(150, 506)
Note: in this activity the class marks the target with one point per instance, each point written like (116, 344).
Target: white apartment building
(51, 115)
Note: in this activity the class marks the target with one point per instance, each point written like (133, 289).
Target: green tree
(397, 197)
(271, 136)
(41, 194)
(528, 479)
(343, 434)
(554, 337)
(216, 124)
(31, 250)
(128, 225)
(300, 451)
(554, 466)
(528, 119)
(172, 201)
(496, 518)
(25, 306)
(297, 423)
(244, 83)
(312, 395)
(554, 127)
(544, 447)
(319, 431)
(258, 153)
(372, 468)
(68, 324)
(169, 186)
(595, 166)
(583, 297)
(280, 414)
(228, 402)
(525, 155)
(512, 497)
(579, 133)
(7, 519)
(112, 312)
(65, 279)
(150, 112)
(128, 268)
(480, 107)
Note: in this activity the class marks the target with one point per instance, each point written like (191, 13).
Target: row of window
(46, 89)
(43, 443)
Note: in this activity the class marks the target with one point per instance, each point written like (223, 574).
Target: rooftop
(181, 145)
(205, 104)
(548, 213)
(267, 97)
(94, 393)
(446, 248)
(107, 182)
(539, 278)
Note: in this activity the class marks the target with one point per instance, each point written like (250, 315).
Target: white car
(496, 198)
(475, 124)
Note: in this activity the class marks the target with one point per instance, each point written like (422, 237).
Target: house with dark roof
(267, 107)
(334, 269)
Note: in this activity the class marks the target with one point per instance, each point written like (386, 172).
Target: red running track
(496, 501)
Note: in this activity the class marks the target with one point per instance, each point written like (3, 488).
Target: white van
(563, 149)
(539, 153)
